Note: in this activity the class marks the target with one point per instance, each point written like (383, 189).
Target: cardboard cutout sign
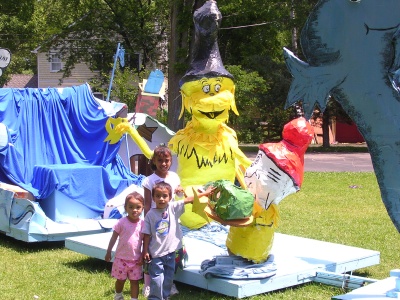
(5, 59)
(352, 51)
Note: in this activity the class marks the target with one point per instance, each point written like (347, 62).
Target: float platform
(298, 260)
(385, 289)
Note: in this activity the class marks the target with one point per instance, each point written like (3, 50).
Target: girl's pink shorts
(123, 269)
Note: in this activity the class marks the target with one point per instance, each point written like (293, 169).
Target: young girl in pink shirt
(127, 261)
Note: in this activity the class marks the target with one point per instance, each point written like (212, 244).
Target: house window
(55, 62)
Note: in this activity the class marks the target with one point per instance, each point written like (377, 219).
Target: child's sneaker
(146, 291)
(174, 290)
(118, 297)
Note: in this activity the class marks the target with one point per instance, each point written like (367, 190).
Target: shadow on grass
(21, 246)
(362, 273)
(187, 291)
(90, 265)
(196, 293)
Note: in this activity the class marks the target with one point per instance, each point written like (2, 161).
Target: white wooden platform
(385, 289)
(297, 260)
(373, 291)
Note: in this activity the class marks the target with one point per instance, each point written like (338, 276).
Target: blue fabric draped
(56, 142)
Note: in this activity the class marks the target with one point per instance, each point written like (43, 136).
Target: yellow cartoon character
(207, 149)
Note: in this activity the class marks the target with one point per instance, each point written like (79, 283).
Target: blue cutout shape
(352, 52)
(154, 82)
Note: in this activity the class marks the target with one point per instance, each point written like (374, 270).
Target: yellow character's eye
(206, 88)
(217, 87)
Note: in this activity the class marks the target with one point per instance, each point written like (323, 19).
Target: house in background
(346, 133)
(49, 71)
(339, 132)
(22, 81)
(50, 66)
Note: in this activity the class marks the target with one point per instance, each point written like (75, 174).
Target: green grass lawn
(343, 208)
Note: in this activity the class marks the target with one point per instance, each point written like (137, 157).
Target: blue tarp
(52, 132)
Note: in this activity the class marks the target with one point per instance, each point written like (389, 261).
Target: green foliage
(124, 86)
(261, 117)
(252, 27)
(92, 28)
(252, 36)
(162, 116)
(253, 33)
(249, 89)
(16, 34)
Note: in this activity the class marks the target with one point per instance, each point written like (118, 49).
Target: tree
(250, 86)
(92, 29)
(16, 27)
(179, 54)
(252, 36)
(123, 87)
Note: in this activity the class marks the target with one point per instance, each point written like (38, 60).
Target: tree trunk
(179, 52)
(294, 30)
(174, 98)
(325, 129)
(181, 44)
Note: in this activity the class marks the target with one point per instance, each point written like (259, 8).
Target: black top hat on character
(206, 59)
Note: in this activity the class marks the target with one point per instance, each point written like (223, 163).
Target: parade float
(241, 257)
(244, 257)
(56, 172)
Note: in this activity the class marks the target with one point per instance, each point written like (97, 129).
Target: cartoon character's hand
(116, 129)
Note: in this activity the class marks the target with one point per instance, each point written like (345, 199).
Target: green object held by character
(229, 201)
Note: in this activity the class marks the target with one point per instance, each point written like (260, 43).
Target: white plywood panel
(380, 290)
(297, 260)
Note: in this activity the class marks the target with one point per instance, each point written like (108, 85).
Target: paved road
(338, 162)
(334, 162)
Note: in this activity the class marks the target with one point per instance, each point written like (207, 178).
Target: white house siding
(79, 75)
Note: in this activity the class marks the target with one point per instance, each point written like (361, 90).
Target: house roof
(22, 81)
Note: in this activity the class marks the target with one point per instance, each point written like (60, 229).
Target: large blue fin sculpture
(352, 52)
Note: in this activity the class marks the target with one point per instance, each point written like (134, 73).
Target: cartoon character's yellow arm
(116, 128)
(241, 164)
(239, 174)
(242, 158)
